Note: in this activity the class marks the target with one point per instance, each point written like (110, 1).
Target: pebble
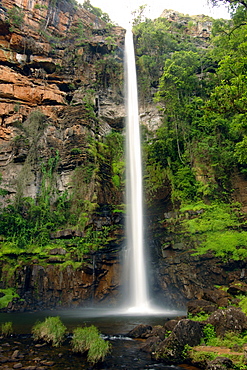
(15, 353)
(17, 366)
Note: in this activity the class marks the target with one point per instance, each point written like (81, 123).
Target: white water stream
(138, 287)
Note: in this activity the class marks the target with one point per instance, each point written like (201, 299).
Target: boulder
(150, 344)
(231, 319)
(220, 363)
(216, 296)
(140, 331)
(158, 332)
(237, 287)
(170, 324)
(186, 332)
(201, 305)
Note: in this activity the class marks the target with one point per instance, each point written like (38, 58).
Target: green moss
(8, 296)
(216, 227)
(202, 316)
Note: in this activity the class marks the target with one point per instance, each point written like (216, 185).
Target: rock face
(198, 26)
(61, 88)
(55, 285)
(58, 94)
(230, 320)
(48, 52)
(186, 332)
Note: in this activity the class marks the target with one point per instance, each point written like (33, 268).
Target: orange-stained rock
(14, 86)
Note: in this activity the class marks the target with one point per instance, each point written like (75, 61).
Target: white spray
(138, 287)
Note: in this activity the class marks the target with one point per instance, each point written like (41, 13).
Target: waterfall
(138, 287)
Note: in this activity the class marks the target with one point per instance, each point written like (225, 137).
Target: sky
(119, 10)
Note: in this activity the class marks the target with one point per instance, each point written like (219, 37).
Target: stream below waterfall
(125, 354)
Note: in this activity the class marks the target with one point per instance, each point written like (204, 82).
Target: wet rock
(185, 332)
(17, 366)
(15, 354)
(140, 331)
(3, 359)
(170, 325)
(57, 251)
(47, 363)
(216, 296)
(158, 332)
(220, 363)
(231, 319)
(151, 344)
(201, 305)
(65, 234)
(237, 287)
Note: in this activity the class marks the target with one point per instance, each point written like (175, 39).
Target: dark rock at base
(140, 331)
(231, 319)
(151, 344)
(217, 296)
(17, 366)
(220, 363)
(158, 332)
(237, 287)
(15, 354)
(3, 359)
(186, 332)
(170, 325)
(201, 305)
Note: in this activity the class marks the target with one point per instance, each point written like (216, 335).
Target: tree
(232, 3)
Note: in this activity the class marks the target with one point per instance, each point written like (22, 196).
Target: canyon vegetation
(62, 158)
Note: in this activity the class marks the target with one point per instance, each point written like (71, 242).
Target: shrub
(209, 334)
(51, 331)
(16, 17)
(7, 329)
(7, 296)
(88, 339)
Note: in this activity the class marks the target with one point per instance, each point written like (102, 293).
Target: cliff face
(59, 97)
(48, 53)
(61, 82)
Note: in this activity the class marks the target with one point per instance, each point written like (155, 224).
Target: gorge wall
(61, 95)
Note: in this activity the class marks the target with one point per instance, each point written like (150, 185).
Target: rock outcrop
(48, 52)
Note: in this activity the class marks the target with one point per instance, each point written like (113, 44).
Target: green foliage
(243, 304)
(88, 339)
(51, 331)
(155, 42)
(16, 17)
(7, 296)
(208, 333)
(76, 151)
(202, 316)
(109, 72)
(96, 11)
(6, 329)
(40, 6)
(212, 218)
(115, 151)
(216, 228)
(79, 30)
(202, 356)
